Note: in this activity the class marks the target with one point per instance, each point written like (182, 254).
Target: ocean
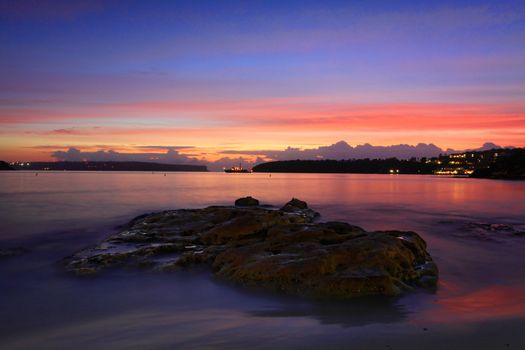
(474, 228)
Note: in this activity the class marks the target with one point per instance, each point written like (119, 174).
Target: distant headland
(101, 166)
(494, 163)
(5, 166)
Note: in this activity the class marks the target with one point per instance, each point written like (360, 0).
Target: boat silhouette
(236, 169)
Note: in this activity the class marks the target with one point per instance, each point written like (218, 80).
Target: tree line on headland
(357, 166)
(495, 163)
(510, 165)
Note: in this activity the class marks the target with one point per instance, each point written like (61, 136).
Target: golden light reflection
(494, 302)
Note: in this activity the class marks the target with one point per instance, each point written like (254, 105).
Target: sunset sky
(209, 78)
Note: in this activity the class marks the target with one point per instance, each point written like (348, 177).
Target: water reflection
(56, 199)
(486, 303)
(352, 313)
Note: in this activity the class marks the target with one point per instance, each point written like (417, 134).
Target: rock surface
(491, 231)
(246, 202)
(294, 205)
(282, 250)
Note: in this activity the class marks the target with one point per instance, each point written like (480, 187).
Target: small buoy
(36, 174)
(164, 174)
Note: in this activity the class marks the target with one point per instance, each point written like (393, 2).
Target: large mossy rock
(282, 250)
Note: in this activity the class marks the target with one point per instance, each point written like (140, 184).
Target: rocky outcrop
(282, 250)
(485, 231)
(246, 202)
(294, 205)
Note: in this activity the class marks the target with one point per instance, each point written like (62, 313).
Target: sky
(211, 81)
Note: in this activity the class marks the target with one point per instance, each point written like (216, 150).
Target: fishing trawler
(235, 169)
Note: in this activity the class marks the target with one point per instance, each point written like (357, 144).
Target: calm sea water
(480, 302)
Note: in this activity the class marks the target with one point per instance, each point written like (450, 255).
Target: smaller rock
(294, 205)
(246, 202)
(491, 231)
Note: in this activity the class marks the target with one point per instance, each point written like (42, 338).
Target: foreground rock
(281, 250)
(246, 202)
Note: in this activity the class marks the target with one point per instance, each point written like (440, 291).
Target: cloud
(57, 147)
(63, 132)
(250, 152)
(72, 131)
(171, 156)
(342, 150)
(487, 146)
(155, 147)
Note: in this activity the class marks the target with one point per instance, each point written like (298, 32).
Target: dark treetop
(5, 166)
